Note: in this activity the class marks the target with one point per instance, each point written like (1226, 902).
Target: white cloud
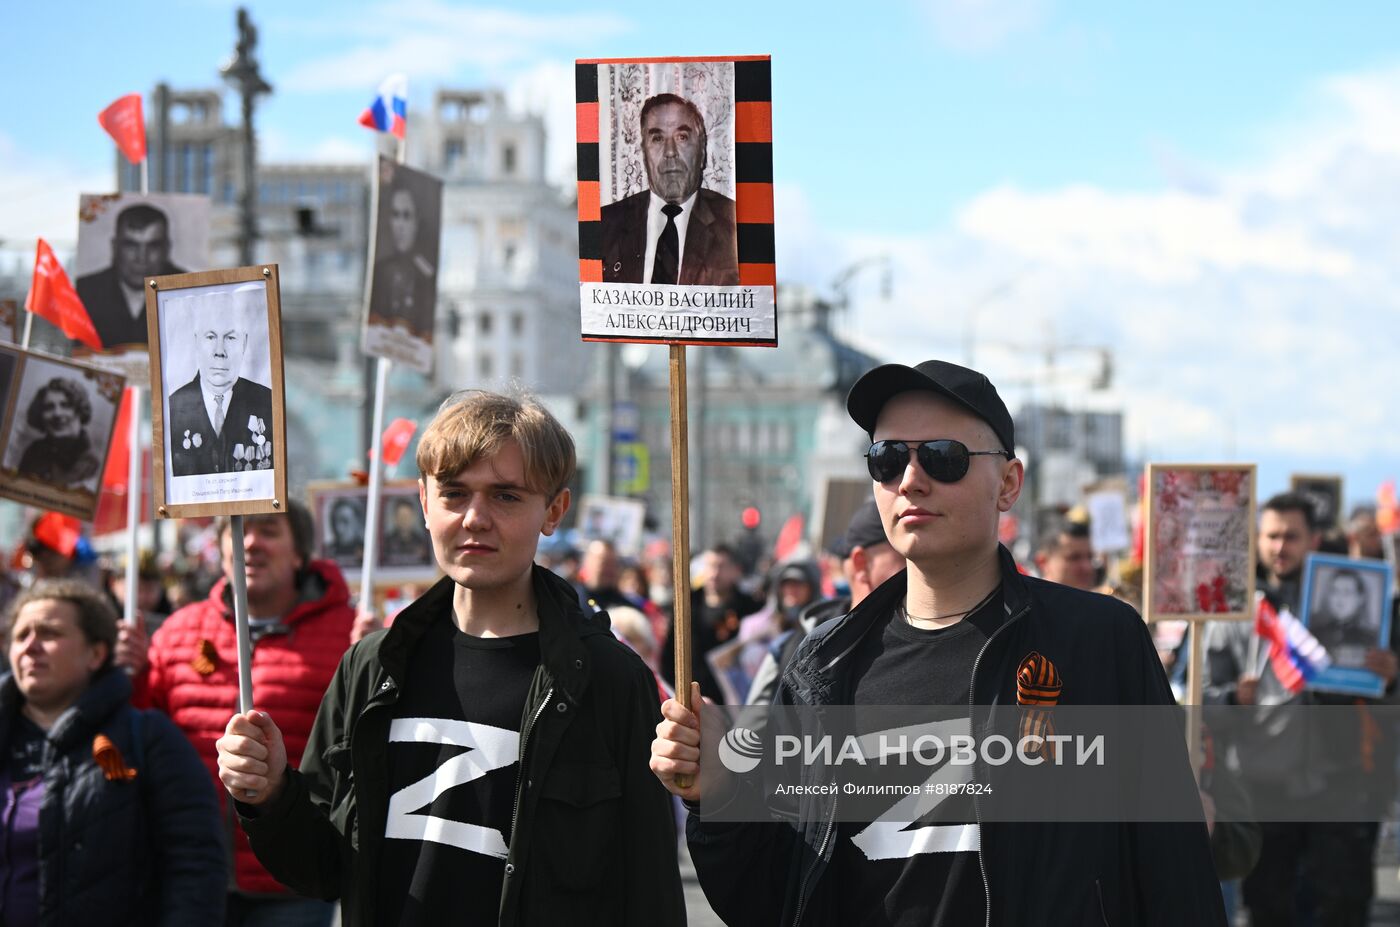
(433, 41)
(982, 25)
(41, 197)
(1256, 316)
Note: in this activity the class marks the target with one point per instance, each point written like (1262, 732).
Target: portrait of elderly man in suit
(220, 421)
(677, 231)
(115, 297)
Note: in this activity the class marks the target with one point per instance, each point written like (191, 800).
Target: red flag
(395, 439)
(1387, 509)
(789, 536)
(51, 296)
(123, 121)
(119, 454)
(60, 532)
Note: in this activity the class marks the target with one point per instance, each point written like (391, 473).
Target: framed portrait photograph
(404, 553)
(403, 262)
(1324, 491)
(58, 429)
(124, 239)
(1200, 534)
(1346, 605)
(675, 200)
(615, 519)
(219, 428)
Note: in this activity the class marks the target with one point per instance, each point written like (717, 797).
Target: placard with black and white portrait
(404, 541)
(59, 430)
(124, 239)
(1346, 606)
(404, 266)
(219, 380)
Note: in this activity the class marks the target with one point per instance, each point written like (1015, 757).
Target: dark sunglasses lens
(946, 461)
(886, 459)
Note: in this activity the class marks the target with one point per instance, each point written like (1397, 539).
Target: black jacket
(1036, 874)
(594, 838)
(144, 851)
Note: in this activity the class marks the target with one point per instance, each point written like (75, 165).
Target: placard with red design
(1200, 542)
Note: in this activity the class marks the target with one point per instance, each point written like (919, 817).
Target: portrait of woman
(345, 531)
(63, 454)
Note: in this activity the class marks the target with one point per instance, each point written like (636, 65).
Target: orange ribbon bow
(1038, 683)
(109, 758)
(207, 659)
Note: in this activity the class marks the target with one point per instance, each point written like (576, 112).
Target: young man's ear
(423, 496)
(554, 512)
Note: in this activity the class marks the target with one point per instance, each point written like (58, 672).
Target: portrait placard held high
(123, 240)
(403, 266)
(219, 379)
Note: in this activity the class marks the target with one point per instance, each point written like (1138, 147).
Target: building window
(452, 152)
(483, 323)
(517, 323)
(186, 168)
(508, 159)
(483, 366)
(206, 174)
(508, 256)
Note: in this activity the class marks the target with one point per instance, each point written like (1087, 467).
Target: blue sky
(1202, 188)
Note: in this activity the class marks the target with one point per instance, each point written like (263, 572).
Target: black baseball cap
(865, 530)
(967, 388)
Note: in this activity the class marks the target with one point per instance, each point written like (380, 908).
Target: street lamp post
(241, 73)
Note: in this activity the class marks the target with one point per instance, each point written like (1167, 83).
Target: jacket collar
(106, 692)
(320, 585)
(562, 629)
(821, 669)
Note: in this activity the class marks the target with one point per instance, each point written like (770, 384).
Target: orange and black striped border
(753, 166)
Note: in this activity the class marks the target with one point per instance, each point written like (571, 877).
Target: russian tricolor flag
(389, 110)
(1294, 653)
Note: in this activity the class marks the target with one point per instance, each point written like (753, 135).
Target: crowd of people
(500, 750)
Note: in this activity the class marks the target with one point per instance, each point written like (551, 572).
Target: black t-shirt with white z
(917, 865)
(453, 761)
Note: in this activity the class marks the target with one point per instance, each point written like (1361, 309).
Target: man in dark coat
(676, 231)
(220, 421)
(114, 297)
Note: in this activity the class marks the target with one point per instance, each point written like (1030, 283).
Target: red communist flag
(123, 121)
(51, 296)
(1387, 509)
(396, 438)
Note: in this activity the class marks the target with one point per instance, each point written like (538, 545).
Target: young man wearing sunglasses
(955, 629)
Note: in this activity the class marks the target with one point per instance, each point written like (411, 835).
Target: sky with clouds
(1205, 192)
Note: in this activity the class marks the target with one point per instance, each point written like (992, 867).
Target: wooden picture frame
(199, 468)
(347, 552)
(40, 466)
(1347, 637)
(1200, 537)
(1324, 491)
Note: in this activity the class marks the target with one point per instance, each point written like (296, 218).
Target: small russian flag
(1295, 654)
(389, 110)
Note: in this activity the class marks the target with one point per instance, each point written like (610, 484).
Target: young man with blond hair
(484, 760)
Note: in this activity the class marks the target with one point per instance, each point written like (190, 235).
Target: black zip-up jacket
(1035, 874)
(147, 850)
(593, 841)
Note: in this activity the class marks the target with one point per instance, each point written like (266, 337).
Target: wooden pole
(1195, 681)
(680, 529)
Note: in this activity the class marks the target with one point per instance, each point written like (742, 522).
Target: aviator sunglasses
(944, 459)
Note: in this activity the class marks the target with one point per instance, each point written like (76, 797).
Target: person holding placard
(1334, 861)
(676, 231)
(556, 820)
(960, 627)
(300, 619)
